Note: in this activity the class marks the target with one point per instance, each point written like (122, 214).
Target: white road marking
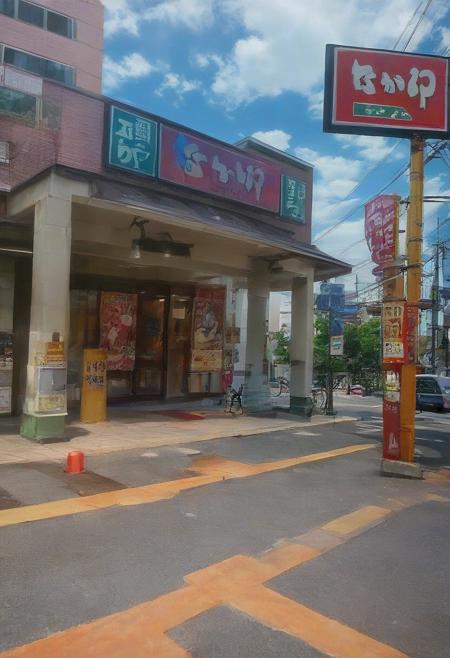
(305, 433)
(420, 438)
(150, 454)
(186, 451)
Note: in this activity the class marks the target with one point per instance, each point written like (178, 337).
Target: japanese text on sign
(132, 142)
(421, 83)
(381, 217)
(293, 192)
(202, 164)
(385, 92)
(393, 332)
(95, 373)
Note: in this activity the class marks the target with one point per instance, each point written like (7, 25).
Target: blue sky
(232, 68)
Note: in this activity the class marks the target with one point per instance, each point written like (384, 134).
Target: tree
(281, 351)
(362, 352)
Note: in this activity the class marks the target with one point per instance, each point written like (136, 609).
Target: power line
(421, 17)
(407, 26)
(434, 148)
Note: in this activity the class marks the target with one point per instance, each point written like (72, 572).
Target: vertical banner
(412, 334)
(208, 330)
(391, 413)
(380, 227)
(118, 329)
(394, 332)
(93, 391)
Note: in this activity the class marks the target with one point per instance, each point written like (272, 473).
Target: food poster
(118, 329)
(393, 332)
(208, 329)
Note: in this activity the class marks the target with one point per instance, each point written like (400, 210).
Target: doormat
(182, 415)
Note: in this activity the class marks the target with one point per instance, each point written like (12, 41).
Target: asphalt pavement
(284, 544)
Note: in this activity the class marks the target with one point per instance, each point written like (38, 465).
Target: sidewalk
(138, 428)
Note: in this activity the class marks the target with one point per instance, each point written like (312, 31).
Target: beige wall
(6, 293)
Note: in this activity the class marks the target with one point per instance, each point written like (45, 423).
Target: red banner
(118, 329)
(391, 413)
(381, 220)
(385, 92)
(412, 334)
(202, 164)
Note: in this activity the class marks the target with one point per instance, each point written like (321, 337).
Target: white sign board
(337, 345)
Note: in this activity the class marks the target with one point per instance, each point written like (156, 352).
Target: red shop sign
(204, 165)
(382, 92)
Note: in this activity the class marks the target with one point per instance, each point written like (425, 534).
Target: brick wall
(85, 53)
(77, 144)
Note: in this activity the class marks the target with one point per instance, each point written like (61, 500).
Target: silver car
(432, 393)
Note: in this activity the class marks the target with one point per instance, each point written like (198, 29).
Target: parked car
(357, 389)
(432, 393)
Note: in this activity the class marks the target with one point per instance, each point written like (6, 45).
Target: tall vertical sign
(381, 92)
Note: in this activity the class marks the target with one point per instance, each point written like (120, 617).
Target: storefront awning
(218, 219)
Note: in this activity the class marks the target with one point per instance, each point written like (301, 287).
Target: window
(45, 68)
(35, 14)
(31, 13)
(17, 104)
(427, 386)
(59, 24)
(7, 7)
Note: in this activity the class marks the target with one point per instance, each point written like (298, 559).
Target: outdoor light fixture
(165, 246)
(135, 249)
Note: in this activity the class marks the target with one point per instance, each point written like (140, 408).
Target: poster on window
(118, 329)
(208, 329)
(208, 317)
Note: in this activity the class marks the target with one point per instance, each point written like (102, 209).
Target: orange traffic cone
(75, 463)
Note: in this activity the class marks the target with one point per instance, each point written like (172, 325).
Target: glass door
(150, 345)
(179, 345)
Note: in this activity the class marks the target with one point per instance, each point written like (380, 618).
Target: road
(277, 545)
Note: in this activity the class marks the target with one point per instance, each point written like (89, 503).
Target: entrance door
(149, 375)
(178, 353)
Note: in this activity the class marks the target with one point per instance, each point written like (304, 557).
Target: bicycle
(284, 386)
(319, 398)
(233, 401)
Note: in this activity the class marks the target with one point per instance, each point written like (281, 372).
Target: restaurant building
(122, 230)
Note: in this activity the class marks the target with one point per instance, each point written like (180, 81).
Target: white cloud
(193, 14)
(330, 167)
(119, 16)
(285, 42)
(204, 60)
(129, 15)
(177, 84)
(372, 149)
(334, 179)
(315, 106)
(279, 139)
(132, 66)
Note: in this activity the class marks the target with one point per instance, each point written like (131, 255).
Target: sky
(233, 68)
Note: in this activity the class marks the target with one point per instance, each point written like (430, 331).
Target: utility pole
(330, 405)
(435, 306)
(414, 239)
